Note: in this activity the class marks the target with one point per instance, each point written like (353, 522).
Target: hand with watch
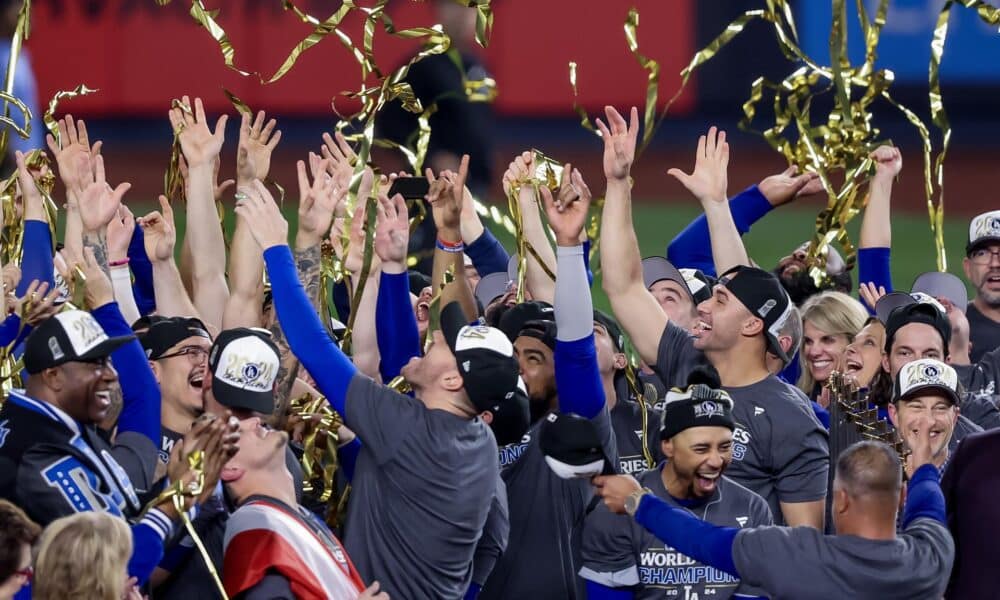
(621, 493)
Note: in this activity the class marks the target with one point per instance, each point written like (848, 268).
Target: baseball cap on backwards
(762, 294)
(572, 447)
(491, 287)
(921, 377)
(70, 336)
(920, 309)
(514, 320)
(485, 359)
(612, 327)
(164, 334)
(697, 284)
(983, 229)
(244, 363)
(942, 285)
(701, 404)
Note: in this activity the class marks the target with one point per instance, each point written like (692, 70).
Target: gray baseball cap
(491, 287)
(942, 285)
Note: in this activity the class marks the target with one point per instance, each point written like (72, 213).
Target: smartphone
(411, 188)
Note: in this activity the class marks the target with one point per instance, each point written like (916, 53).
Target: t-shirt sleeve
(800, 454)
(607, 549)
(764, 555)
(381, 417)
(675, 357)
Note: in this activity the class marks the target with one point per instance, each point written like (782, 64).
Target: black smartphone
(411, 188)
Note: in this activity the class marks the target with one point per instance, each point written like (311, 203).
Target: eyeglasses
(984, 256)
(26, 572)
(195, 354)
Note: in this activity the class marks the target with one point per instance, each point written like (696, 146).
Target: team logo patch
(931, 372)
(767, 307)
(250, 372)
(707, 409)
(55, 349)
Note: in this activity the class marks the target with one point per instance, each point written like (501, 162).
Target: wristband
(118, 263)
(450, 247)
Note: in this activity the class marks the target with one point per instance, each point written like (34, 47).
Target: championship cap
(244, 363)
(485, 359)
(70, 336)
(572, 447)
(942, 285)
(514, 320)
(491, 287)
(922, 309)
(983, 229)
(164, 334)
(697, 284)
(924, 376)
(762, 294)
(700, 404)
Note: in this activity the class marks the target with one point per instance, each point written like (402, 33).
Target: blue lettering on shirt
(81, 488)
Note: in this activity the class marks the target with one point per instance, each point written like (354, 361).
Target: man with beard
(780, 450)
(275, 548)
(532, 330)
(620, 558)
(982, 269)
(177, 349)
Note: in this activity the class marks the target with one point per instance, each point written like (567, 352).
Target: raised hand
(870, 294)
(392, 232)
(120, 230)
(267, 224)
(519, 171)
(98, 288)
(199, 143)
(98, 202)
(222, 443)
(445, 196)
(787, 186)
(317, 204)
(219, 188)
(73, 143)
(38, 304)
(888, 162)
(341, 156)
(917, 435)
(709, 180)
(159, 233)
(257, 143)
(619, 142)
(567, 212)
(34, 209)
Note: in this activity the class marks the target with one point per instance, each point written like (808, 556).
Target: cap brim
(889, 303)
(231, 397)
(942, 285)
(105, 348)
(925, 390)
(971, 246)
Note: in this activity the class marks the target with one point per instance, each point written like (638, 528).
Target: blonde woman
(84, 556)
(830, 321)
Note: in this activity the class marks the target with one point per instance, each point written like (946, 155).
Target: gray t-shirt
(626, 420)
(801, 563)
(618, 552)
(676, 356)
(423, 485)
(984, 333)
(546, 515)
(780, 449)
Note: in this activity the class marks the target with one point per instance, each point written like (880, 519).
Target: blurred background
(140, 55)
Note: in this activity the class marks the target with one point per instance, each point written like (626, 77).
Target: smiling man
(982, 269)
(926, 395)
(620, 556)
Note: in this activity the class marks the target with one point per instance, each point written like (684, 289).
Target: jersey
(620, 553)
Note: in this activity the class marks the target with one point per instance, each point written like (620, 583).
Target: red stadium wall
(139, 54)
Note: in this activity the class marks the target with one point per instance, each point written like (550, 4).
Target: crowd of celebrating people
(528, 455)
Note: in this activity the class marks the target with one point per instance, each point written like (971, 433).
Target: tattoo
(97, 241)
(307, 263)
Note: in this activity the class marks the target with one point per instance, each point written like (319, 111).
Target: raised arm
(160, 236)
(636, 309)
(36, 250)
(482, 248)
(73, 143)
(98, 206)
(577, 376)
(708, 184)
(445, 197)
(246, 266)
(539, 284)
(201, 147)
(876, 228)
(396, 325)
(120, 231)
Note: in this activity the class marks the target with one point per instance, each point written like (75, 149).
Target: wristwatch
(632, 500)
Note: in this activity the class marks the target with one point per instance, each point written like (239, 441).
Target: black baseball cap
(165, 333)
(244, 363)
(762, 294)
(485, 359)
(697, 284)
(514, 320)
(511, 417)
(612, 327)
(146, 321)
(918, 312)
(572, 447)
(417, 281)
(701, 404)
(70, 336)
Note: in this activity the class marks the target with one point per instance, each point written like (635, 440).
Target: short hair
(15, 529)
(84, 555)
(801, 286)
(793, 329)
(870, 468)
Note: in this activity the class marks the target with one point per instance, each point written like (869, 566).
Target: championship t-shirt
(800, 563)
(618, 552)
(631, 429)
(423, 486)
(676, 357)
(546, 513)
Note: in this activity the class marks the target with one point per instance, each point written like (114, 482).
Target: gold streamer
(22, 30)
(49, 117)
(319, 458)
(652, 80)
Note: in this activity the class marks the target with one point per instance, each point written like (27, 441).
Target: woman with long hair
(830, 320)
(84, 556)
